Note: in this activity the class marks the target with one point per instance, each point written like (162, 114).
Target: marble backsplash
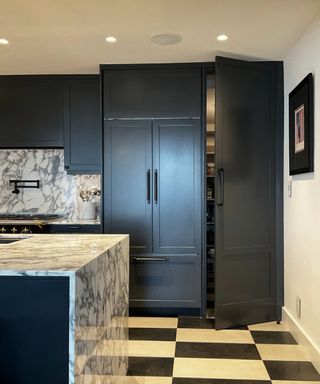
(58, 192)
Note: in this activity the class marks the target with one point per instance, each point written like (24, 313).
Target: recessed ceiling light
(110, 39)
(222, 37)
(4, 42)
(166, 39)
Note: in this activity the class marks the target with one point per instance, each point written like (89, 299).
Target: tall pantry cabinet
(159, 188)
(152, 179)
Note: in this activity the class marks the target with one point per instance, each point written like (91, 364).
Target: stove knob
(3, 230)
(14, 230)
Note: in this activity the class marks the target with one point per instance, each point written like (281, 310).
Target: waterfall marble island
(63, 308)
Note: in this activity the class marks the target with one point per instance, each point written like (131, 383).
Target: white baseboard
(302, 338)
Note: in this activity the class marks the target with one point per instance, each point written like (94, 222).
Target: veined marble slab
(53, 253)
(98, 271)
(75, 222)
(58, 192)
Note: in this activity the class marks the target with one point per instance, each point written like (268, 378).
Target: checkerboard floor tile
(191, 351)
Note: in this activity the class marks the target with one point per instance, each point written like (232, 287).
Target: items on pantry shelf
(210, 169)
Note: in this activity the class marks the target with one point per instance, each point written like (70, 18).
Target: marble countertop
(53, 254)
(44, 222)
(75, 222)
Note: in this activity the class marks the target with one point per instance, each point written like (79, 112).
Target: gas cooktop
(26, 222)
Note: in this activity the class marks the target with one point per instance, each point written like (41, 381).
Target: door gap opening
(210, 194)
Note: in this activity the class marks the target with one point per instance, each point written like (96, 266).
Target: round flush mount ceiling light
(166, 39)
(222, 37)
(4, 41)
(110, 39)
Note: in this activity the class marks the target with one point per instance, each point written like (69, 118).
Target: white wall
(302, 210)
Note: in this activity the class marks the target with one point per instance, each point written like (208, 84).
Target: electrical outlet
(298, 307)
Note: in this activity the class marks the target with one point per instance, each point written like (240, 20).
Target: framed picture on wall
(301, 127)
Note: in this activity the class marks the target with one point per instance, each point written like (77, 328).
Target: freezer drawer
(165, 281)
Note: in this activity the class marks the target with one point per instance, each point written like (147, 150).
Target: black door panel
(152, 93)
(127, 163)
(31, 111)
(82, 128)
(246, 110)
(165, 281)
(176, 163)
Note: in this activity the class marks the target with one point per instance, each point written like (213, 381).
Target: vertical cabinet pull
(148, 186)
(220, 200)
(156, 186)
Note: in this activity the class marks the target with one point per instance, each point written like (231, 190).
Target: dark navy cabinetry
(53, 111)
(153, 91)
(127, 181)
(82, 124)
(31, 111)
(34, 315)
(74, 228)
(152, 188)
(152, 180)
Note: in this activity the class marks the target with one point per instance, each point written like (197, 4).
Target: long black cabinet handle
(220, 200)
(150, 258)
(148, 186)
(156, 186)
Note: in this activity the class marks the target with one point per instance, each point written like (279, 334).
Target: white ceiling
(67, 36)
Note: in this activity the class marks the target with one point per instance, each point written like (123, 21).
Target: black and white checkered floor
(190, 351)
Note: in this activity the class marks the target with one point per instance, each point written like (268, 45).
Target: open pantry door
(248, 191)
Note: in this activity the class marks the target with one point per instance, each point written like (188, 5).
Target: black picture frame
(301, 127)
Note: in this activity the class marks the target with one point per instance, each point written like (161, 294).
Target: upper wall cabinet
(31, 111)
(82, 124)
(154, 92)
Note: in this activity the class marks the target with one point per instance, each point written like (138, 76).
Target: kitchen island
(63, 308)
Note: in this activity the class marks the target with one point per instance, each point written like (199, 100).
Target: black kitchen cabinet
(152, 188)
(74, 228)
(177, 181)
(127, 186)
(82, 124)
(166, 91)
(31, 111)
(249, 161)
(54, 111)
(165, 282)
(155, 187)
(34, 315)
(152, 179)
